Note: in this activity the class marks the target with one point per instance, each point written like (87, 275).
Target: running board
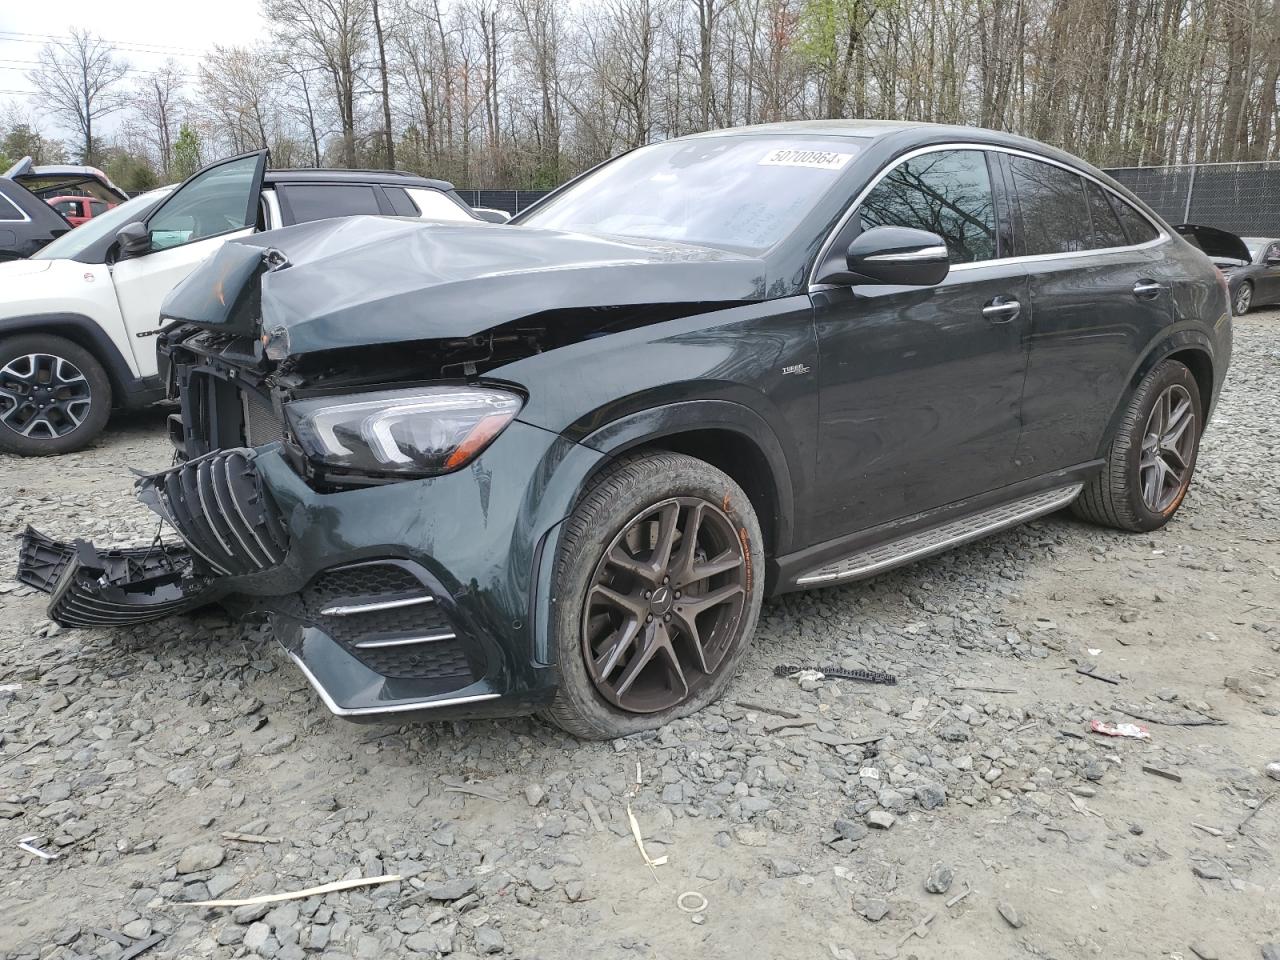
(953, 533)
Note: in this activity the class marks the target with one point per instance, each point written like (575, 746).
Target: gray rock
(939, 879)
(256, 936)
(1271, 951)
(202, 856)
(1209, 870)
(1009, 913)
(873, 908)
(534, 794)
(450, 890)
(851, 830)
(138, 929)
(881, 819)
(250, 913)
(931, 795)
(1273, 770)
(278, 744)
(539, 878)
(230, 935)
(784, 868)
(1204, 951)
(489, 940)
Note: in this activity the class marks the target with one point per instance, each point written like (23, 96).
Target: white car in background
(77, 319)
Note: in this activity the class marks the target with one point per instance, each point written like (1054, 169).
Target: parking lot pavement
(823, 818)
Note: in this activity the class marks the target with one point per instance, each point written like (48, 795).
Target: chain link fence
(1243, 198)
(512, 201)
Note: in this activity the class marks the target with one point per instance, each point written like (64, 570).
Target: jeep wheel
(657, 591)
(54, 396)
(1152, 456)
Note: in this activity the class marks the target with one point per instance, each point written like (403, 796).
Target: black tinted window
(1051, 199)
(1136, 226)
(400, 201)
(317, 201)
(98, 207)
(8, 211)
(1107, 231)
(947, 193)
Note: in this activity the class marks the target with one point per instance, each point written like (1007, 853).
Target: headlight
(420, 432)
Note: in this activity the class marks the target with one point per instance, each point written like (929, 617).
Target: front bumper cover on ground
(388, 598)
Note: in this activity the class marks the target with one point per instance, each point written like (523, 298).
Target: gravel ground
(824, 819)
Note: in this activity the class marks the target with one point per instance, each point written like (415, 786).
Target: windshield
(742, 193)
(72, 244)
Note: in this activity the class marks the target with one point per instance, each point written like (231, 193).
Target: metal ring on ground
(680, 901)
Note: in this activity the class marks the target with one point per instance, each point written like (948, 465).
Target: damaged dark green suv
(554, 466)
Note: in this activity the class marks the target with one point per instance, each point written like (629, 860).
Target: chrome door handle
(1146, 289)
(1002, 309)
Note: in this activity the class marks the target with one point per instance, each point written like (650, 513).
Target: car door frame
(1271, 273)
(920, 516)
(140, 338)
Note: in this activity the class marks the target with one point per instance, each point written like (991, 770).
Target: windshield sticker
(816, 159)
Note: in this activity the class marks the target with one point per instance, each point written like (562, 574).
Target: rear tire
(55, 396)
(626, 606)
(1152, 456)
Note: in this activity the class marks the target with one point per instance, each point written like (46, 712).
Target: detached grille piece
(219, 507)
(119, 587)
(384, 617)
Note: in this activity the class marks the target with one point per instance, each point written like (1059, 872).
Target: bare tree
(386, 95)
(335, 35)
(158, 100)
(79, 80)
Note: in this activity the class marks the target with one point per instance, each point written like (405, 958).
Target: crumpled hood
(367, 280)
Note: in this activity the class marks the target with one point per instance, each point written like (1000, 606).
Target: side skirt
(923, 535)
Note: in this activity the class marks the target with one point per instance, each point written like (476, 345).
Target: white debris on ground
(970, 811)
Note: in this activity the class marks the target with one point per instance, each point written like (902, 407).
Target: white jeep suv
(78, 319)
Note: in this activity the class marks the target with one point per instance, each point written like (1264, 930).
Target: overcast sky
(146, 31)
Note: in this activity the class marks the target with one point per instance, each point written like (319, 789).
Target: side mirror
(490, 215)
(901, 256)
(133, 240)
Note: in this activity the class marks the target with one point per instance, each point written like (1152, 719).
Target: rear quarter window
(1107, 231)
(1137, 227)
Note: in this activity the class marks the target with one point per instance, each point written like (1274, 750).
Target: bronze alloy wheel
(1168, 449)
(664, 604)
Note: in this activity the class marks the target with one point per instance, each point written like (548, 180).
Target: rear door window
(1053, 212)
(97, 207)
(401, 204)
(68, 208)
(1107, 231)
(305, 202)
(947, 192)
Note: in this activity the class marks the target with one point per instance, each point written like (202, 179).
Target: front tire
(55, 396)
(1152, 456)
(657, 592)
(1243, 300)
